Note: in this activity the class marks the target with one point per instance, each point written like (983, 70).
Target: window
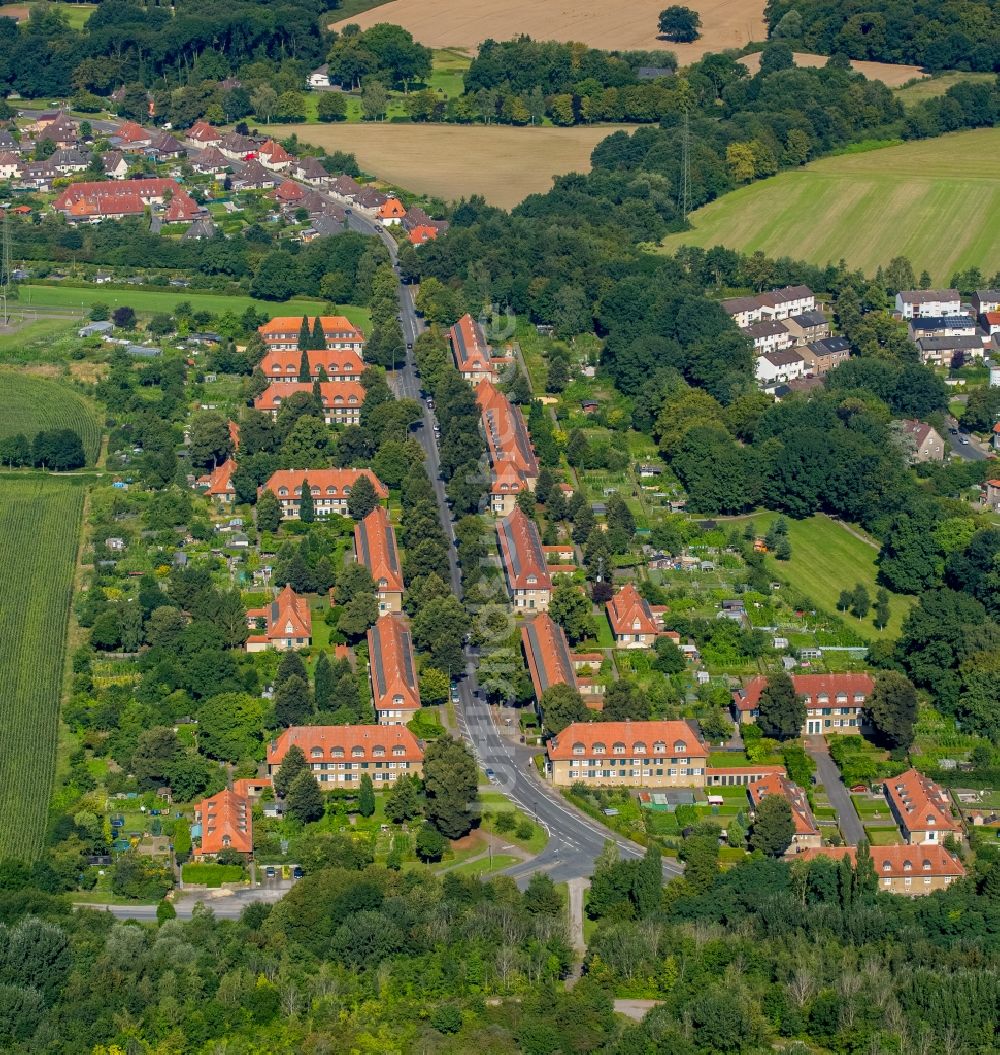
(336, 752)
(680, 747)
(638, 748)
(618, 748)
(357, 751)
(578, 748)
(599, 748)
(316, 752)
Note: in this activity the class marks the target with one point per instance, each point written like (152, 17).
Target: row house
(375, 548)
(808, 327)
(768, 336)
(529, 583)
(238, 147)
(921, 807)
(550, 661)
(634, 622)
(822, 356)
(282, 625)
(628, 754)
(806, 834)
(281, 334)
(223, 822)
(113, 199)
(912, 871)
(942, 326)
(951, 351)
(739, 776)
(472, 352)
(985, 301)
(330, 489)
(393, 670)
(835, 703)
(913, 303)
(340, 754)
(776, 305)
(513, 465)
(210, 162)
(341, 400)
(778, 368)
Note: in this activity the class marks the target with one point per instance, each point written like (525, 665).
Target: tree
(669, 658)
(362, 499)
(450, 782)
(210, 442)
(439, 629)
(374, 100)
(781, 713)
(292, 702)
(358, 615)
(366, 796)
(860, 602)
(561, 706)
(124, 318)
(304, 801)
(893, 708)
(773, 826)
(623, 703)
(323, 682)
(571, 609)
(402, 800)
(680, 24)
(331, 106)
(881, 619)
(430, 844)
(845, 600)
(229, 727)
(307, 507)
(648, 883)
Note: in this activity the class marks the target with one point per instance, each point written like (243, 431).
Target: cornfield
(39, 534)
(30, 404)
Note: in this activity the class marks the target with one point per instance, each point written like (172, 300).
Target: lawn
(212, 875)
(484, 866)
(30, 404)
(827, 558)
(501, 162)
(931, 87)
(76, 14)
(869, 207)
(39, 535)
(149, 301)
(15, 347)
(496, 803)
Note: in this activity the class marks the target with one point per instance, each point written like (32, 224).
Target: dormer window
(618, 748)
(680, 747)
(316, 752)
(336, 752)
(579, 749)
(357, 751)
(599, 748)
(638, 748)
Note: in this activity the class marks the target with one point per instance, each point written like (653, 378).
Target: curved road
(575, 840)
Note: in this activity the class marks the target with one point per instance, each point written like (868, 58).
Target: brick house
(284, 624)
(393, 671)
(628, 754)
(339, 754)
(921, 807)
(341, 400)
(808, 327)
(529, 583)
(330, 489)
(835, 703)
(822, 356)
(375, 548)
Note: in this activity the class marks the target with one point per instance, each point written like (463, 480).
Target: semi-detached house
(911, 303)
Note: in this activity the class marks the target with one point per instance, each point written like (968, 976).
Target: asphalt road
(575, 840)
(970, 451)
(836, 791)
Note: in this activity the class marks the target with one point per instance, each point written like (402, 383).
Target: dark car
(298, 872)
(271, 872)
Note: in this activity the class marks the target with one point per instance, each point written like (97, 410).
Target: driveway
(840, 798)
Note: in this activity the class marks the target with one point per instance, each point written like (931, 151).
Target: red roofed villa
(633, 621)
(391, 212)
(284, 624)
(330, 489)
(218, 483)
(835, 703)
(630, 754)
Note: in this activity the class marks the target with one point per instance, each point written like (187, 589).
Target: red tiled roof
(226, 823)
(393, 671)
(547, 652)
(114, 197)
(469, 345)
(220, 480)
(920, 803)
(333, 482)
(422, 233)
(247, 786)
(676, 737)
(522, 552)
(289, 191)
(629, 612)
(275, 151)
(375, 546)
(133, 132)
(393, 209)
(337, 362)
(512, 457)
(808, 685)
(288, 615)
(324, 741)
(891, 861)
(181, 207)
(203, 132)
(289, 325)
(778, 784)
(333, 394)
(234, 434)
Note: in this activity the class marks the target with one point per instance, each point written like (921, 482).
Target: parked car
(298, 872)
(270, 872)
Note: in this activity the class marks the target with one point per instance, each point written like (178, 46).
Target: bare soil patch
(466, 23)
(502, 163)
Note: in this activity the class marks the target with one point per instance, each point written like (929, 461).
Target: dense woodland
(939, 36)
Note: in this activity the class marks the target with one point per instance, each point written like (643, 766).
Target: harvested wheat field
(502, 163)
(891, 73)
(466, 23)
(936, 201)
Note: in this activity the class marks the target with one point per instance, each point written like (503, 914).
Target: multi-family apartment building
(341, 400)
(284, 624)
(472, 352)
(330, 489)
(393, 670)
(921, 807)
(911, 303)
(908, 870)
(835, 703)
(513, 465)
(529, 583)
(337, 755)
(375, 548)
(807, 833)
(550, 661)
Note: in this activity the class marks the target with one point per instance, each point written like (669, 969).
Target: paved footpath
(836, 791)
